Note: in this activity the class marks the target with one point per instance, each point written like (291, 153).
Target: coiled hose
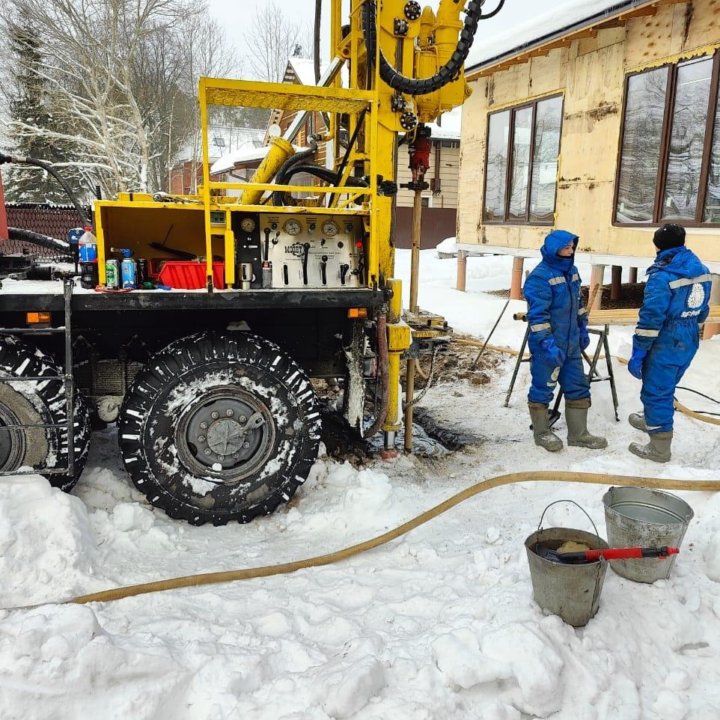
(446, 73)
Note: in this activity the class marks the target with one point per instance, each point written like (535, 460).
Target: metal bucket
(649, 518)
(570, 591)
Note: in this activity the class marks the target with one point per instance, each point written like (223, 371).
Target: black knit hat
(669, 236)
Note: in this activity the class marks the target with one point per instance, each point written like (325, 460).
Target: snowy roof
(451, 125)
(305, 69)
(225, 139)
(564, 17)
(245, 154)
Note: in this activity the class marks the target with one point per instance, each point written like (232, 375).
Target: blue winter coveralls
(676, 302)
(558, 323)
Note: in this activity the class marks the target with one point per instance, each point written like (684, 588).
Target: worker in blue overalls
(558, 335)
(667, 336)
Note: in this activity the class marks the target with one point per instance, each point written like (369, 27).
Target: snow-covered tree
(118, 75)
(29, 102)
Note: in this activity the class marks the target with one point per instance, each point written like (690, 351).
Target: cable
(49, 169)
(697, 392)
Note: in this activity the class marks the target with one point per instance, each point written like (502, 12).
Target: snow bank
(440, 623)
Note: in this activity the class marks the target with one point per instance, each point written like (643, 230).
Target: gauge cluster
(312, 251)
(281, 251)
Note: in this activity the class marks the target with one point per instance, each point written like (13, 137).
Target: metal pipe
(415, 257)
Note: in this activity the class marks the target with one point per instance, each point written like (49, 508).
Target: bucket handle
(555, 502)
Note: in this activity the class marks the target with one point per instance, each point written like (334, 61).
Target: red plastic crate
(190, 274)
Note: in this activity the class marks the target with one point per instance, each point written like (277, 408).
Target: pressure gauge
(292, 227)
(329, 228)
(247, 224)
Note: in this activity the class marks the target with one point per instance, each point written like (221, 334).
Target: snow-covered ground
(438, 624)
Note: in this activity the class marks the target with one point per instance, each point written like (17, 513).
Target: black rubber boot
(576, 412)
(544, 436)
(657, 450)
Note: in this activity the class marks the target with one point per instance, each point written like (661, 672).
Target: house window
(669, 166)
(523, 145)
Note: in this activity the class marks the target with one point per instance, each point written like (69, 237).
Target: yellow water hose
(345, 553)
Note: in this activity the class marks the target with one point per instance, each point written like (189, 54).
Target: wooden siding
(449, 168)
(590, 74)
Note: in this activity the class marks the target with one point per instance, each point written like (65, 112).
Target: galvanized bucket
(570, 591)
(649, 518)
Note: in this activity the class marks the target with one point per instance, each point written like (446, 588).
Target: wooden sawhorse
(592, 375)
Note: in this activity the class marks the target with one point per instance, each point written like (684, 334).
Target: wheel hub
(227, 430)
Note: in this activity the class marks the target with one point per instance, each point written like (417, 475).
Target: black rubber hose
(278, 196)
(326, 174)
(43, 241)
(446, 73)
(49, 169)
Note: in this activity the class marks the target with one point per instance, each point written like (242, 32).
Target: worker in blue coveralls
(558, 335)
(676, 302)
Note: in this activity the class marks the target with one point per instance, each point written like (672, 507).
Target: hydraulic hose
(446, 73)
(348, 552)
(278, 196)
(49, 169)
(44, 241)
(326, 174)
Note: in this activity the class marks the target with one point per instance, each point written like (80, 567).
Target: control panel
(299, 251)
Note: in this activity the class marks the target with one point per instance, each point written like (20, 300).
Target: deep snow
(438, 624)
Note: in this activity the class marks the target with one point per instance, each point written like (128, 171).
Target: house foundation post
(616, 275)
(516, 280)
(461, 270)
(711, 329)
(596, 278)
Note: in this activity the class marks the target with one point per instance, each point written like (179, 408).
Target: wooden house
(602, 119)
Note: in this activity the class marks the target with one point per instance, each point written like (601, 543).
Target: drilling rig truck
(265, 287)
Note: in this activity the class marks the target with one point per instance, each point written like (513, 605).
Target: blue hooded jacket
(552, 291)
(676, 300)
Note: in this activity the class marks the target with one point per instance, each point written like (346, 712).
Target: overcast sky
(236, 15)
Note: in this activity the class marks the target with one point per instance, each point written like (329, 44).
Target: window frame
(665, 136)
(532, 104)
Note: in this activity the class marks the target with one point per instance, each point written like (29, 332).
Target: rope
(345, 553)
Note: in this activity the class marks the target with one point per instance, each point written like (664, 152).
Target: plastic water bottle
(87, 246)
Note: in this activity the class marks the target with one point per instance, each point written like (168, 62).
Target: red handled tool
(607, 554)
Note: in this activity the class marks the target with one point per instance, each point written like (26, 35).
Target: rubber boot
(657, 450)
(544, 436)
(576, 412)
(637, 420)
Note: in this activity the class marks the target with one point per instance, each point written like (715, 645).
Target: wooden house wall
(590, 74)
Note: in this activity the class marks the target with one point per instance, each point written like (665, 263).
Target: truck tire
(38, 403)
(219, 427)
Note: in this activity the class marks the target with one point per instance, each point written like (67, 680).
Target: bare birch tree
(272, 40)
(116, 72)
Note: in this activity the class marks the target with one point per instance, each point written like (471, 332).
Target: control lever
(306, 253)
(266, 254)
(343, 272)
(323, 269)
(286, 276)
(266, 264)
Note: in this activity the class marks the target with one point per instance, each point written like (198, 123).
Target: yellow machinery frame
(419, 52)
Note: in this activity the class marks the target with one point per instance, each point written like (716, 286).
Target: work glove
(584, 338)
(553, 353)
(636, 361)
